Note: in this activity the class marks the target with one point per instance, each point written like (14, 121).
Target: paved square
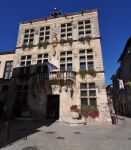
(61, 136)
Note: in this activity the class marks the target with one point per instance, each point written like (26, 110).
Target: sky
(114, 23)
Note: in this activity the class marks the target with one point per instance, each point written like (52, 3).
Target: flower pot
(91, 120)
(75, 115)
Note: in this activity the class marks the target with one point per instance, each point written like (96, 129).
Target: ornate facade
(57, 63)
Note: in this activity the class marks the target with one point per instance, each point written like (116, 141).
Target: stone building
(122, 98)
(51, 56)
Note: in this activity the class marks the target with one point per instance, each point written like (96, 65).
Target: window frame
(84, 27)
(66, 31)
(26, 60)
(68, 60)
(85, 87)
(86, 53)
(44, 34)
(29, 36)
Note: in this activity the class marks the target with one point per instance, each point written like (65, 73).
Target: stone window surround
(25, 60)
(84, 58)
(66, 58)
(43, 57)
(67, 29)
(50, 31)
(29, 36)
(84, 27)
(45, 31)
(87, 90)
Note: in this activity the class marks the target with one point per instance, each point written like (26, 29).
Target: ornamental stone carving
(54, 40)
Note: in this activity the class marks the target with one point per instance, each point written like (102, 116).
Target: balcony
(56, 77)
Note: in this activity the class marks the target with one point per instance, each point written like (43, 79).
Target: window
(42, 58)
(29, 36)
(84, 28)
(25, 60)
(66, 31)
(44, 34)
(69, 67)
(86, 59)
(8, 70)
(66, 61)
(88, 94)
(90, 65)
(82, 65)
(62, 67)
(93, 101)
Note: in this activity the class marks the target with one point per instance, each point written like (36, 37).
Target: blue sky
(114, 20)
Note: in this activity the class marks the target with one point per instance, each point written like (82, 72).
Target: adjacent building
(122, 96)
(48, 63)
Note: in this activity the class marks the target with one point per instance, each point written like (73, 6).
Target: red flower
(74, 108)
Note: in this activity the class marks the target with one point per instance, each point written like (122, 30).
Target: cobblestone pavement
(61, 136)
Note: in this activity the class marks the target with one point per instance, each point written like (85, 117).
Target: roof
(58, 16)
(125, 49)
(7, 52)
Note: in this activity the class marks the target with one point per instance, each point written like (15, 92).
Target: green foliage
(40, 45)
(88, 39)
(82, 73)
(70, 41)
(62, 42)
(24, 46)
(92, 72)
(88, 108)
(89, 111)
(30, 45)
(44, 44)
(128, 83)
(82, 39)
(85, 39)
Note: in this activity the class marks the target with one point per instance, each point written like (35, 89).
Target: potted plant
(88, 39)
(82, 73)
(24, 46)
(74, 111)
(91, 72)
(70, 41)
(85, 39)
(30, 45)
(82, 39)
(89, 112)
(62, 42)
(45, 44)
(40, 44)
